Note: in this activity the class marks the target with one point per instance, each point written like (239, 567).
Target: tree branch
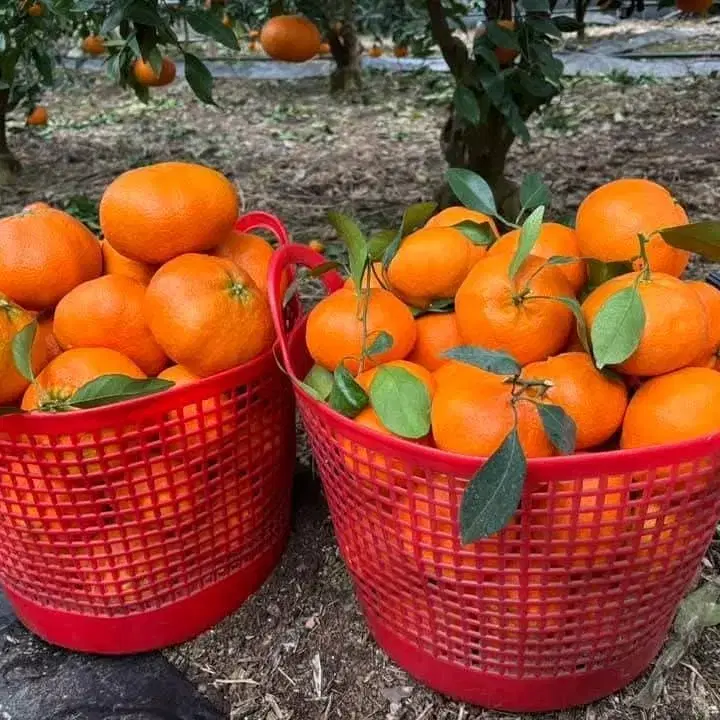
(453, 50)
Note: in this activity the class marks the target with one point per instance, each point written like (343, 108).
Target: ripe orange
(227, 21)
(324, 49)
(38, 117)
(45, 253)
(709, 356)
(375, 51)
(46, 337)
(472, 414)
(116, 264)
(694, 6)
(158, 212)
(400, 51)
(335, 328)
(364, 379)
(12, 320)
(207, 314)
(250, 253)
(35, 9)
(504, 56)
(610, 218)
(436, 333)
(292, 38)
(675, 322)
(71, 370)
(492, 314)
(593, 400)
(254, 34)
(554, 239)
(108, 312)
(94, 45)
(681, 405)
(454, 215)
(317, 246)
(145, 75)
(430, 264)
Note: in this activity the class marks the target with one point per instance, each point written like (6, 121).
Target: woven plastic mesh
(127, 508)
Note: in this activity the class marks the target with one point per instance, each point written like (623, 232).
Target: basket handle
(283, 257)
(258, 220)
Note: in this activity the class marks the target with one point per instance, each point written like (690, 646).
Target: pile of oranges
(172, 290)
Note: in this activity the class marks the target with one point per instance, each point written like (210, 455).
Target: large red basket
(138, 525)
(567, 604)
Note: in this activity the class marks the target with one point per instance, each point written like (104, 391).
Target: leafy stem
(644, 240)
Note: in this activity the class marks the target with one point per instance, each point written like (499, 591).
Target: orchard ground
(298, 153)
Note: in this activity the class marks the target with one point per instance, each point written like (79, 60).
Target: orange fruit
(158, 212)
(74, 368)
(504, 56)
(108, 312)
(145, 75)
(710, 298)
(254, 34)
(324, 49)
(554, 239)
(610, 218)
(317, 246)
(207, 314)
(292, 38)
(375, 275)
(12, 320)
(46, 337)
(94, 45)
(472, 414)
(227, 21)
(430, 264)
(694, 6)
(375, 51)
(249, 252)
(436, 333)
(252, 46)
(492, 314)
(364, 379)
(675, 322)
(593, 400)
(116, 264)
(335, 328)
(35, 9)
(38, 117)
(45, 253)
(454, 215)
(682, 405)
(400, 51)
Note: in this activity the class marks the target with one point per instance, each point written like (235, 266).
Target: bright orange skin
(46, 337)
(472, 414)
(529, 330)
(45, 253)
(207, 314)
(504, 56)
(249, 252)
(431, 263)
(94, 45)
(375, 51)
(254, 34)
(75, 368)
(694, 6)
(456, 373)
(324, 49)
(554, 239)
(12, 320)
(158, 212)
(116, 264)
(335, 329)
(454, 215)
(108, 312)
(145, 75)
(681, 405)
(364, 379)
(610, 218)
(593, 400)
(400, 51)
(36, 10)
(675, 322)
(709, 356)
(291, 38)
(38, 117)
(436, 333)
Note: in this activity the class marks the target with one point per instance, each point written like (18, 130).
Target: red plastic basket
(138, 525)
(567, 604)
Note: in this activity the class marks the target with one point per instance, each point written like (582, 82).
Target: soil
(298, 152)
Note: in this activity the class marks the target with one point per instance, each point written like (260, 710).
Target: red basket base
(179, 621)
(510, 694)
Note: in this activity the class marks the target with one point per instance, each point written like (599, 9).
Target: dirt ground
(297, 152)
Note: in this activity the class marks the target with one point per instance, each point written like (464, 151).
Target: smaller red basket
(135, 526)
(567, 604)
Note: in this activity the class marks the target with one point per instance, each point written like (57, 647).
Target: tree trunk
(580, 8)
(9, 166)
(345, 49)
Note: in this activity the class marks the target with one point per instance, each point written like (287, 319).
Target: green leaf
(382, 342)
(355, 242)
(44, 65)
(320, 381)
(401, 401)
(144, 13)
(415, 216)
(483, 51)
(155, 59)
(22, 345)
(199, 78)
(702, 238)
(346, 396)
(559, 427)
(113, 18)
(534, 192)
(502, 37)
(541, 6)
(529, 233)
(209, 24)
(379, 242)
(562, 260)
(600, 272)
(109, 389)
(535, 85)
(472, 190)
(566, 24)
(494, 492)
(466, 105)
(543, 25)
(9, 411)
(696, 609)
(580, 325)
(323, 268)
(480, 234)
(494, 361)
(618, 327)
